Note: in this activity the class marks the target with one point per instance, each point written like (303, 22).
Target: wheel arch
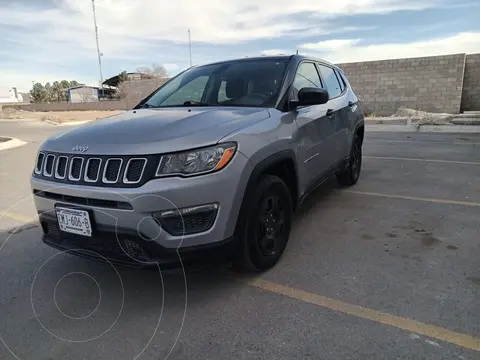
(274, 165)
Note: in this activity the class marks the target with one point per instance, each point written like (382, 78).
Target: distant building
(26, 97)
(133, 86)
(115, 80)
(10, 95)
(83, 94)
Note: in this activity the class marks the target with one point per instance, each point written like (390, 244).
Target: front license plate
(74, 221)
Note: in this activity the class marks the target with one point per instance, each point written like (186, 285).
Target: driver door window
(307, 76)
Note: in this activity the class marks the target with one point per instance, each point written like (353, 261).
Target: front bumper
(128, 211)
(125, 247)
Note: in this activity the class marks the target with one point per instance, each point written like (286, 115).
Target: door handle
(330, 113)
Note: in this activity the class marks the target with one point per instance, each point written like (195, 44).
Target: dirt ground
(56, 116)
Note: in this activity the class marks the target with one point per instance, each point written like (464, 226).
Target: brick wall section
(136, 90)
(428, 83)
(471, 84)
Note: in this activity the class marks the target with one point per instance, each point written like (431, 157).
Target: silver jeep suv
(212, 164)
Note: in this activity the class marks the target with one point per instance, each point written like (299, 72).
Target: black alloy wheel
(271, 224)
(350, 175)
(264, 225)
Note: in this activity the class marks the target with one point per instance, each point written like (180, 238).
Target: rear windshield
(242, 83)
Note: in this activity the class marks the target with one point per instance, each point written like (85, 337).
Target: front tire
(350, 175)
(264, 225)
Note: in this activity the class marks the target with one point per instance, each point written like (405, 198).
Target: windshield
(240, 83)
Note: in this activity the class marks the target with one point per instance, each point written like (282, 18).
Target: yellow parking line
(422, 160)
(432, 331)
(16, 216)
(415, 198)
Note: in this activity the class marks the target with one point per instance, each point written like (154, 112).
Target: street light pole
(99, 54)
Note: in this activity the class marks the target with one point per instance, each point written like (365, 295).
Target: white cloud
(135, 31)
(339, 51)
(124, 24)
(330, 45)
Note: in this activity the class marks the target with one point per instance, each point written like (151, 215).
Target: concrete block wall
(471, 84)
(428, 83)
(136, 90)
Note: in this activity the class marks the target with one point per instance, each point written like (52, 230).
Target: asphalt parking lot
(388, 269)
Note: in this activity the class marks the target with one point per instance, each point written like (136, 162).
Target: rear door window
(343, 84)
(331, 81)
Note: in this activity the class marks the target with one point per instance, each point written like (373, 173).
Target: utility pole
(190, 46)
(98, 46)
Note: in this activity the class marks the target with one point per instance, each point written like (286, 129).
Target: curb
(69, 123)
(10, 144)
(426, 128)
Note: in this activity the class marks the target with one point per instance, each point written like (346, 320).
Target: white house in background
(10, 95)
(83, 93)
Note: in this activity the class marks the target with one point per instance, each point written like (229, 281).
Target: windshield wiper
(186, 103)
(196, 103)
(147, 106)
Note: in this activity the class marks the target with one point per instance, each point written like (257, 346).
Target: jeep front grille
(48, 168)
(112, 171)
(75, 172)
(92, 169)
(39, 163)
(61, 167)
(96, 170)
(134, 170)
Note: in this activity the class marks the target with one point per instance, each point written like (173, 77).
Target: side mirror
(312, 96)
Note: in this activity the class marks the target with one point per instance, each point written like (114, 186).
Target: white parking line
(415, 198)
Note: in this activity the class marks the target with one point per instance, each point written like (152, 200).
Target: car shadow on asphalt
(143, 288)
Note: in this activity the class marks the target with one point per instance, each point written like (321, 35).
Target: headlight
(197, 161)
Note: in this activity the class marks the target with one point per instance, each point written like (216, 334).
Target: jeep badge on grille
(80, 148)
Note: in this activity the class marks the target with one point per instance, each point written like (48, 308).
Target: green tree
(48, 89)
(120, 91)
(38, 93)
(55, 92)
(122, 77)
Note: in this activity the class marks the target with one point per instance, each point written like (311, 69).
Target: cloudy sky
(48, 40)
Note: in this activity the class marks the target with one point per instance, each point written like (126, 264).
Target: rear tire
(264, 225)
(350, 175)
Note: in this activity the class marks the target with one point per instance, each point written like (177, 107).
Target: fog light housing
(188, 220)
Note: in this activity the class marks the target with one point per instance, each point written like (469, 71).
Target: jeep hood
(153, 131)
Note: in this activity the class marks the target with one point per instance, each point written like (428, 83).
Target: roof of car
(298, 58)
